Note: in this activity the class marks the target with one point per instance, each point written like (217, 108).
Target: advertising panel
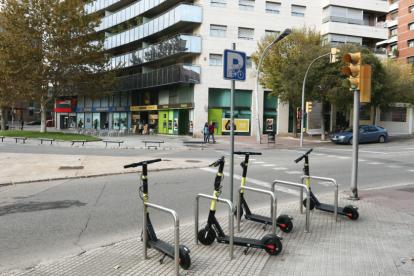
(240, 125)
(175, 123)
(269, 124)
(153, 116)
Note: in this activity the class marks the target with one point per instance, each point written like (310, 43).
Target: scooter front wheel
(206, 237)
(185, 260)
(312, 203)
(273, 245)
(285, 225)
(354, 214)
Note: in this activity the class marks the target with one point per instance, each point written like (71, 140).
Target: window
(267, 33)
(411, 26)
(247, 5)
(394, 1)
(393, 31)
(298, 11)
(395, 114)
(372, 129)
(249, 63)
(410, 43)
(365, 114)
(394, 15)
(393, 47)
(216, 60)
(411, 9)
(410, 60)
(219, 31)
(272, 7)
(245, 33)
(218, 3)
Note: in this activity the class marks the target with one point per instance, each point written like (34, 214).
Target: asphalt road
(49, 220)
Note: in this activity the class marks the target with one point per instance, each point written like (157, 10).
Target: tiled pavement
(380, 242)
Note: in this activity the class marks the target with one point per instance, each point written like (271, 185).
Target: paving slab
(378, 243)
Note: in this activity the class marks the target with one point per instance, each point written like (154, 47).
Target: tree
(279, 59)
(65, 55)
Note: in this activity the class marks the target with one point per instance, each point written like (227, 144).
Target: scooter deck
(163, 247)
(241, 241)
(259, 218)
(330, 208)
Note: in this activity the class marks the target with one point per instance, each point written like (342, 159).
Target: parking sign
(234, 67)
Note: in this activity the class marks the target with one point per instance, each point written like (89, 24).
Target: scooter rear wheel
(312, 203)
(185, 260)
(206, 238)
(288, 225)
(273, 245)
(354, 213)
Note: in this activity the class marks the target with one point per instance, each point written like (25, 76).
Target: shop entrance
(183, 122)
(144, 117)
(64, 121)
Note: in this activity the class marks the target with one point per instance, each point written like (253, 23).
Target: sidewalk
(380, 242)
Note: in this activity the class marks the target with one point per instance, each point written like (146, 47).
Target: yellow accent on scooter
(145, 177)
(219, 174)
(243, 183)
(213, 203)
(308, 182)
(145, 196)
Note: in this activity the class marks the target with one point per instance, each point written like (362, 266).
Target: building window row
(271, 7)
(217, 60)
(243, 33)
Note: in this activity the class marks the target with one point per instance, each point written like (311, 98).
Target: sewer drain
(71, 168)
(192, 161)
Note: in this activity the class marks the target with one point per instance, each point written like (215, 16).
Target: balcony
(392, 39)
(109, 5)
(352, 21)
(181, 73)
(172, 20)
(175, 46)
(353, 27)
(393, 7)
(139, 8)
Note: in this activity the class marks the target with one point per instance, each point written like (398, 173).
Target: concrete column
(283, 118)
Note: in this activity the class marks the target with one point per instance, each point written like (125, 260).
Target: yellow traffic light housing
(365, 94)
(334, 55)
(308, 107)
(353, 70)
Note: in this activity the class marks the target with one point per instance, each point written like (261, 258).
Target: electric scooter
(165, 248)
(349, 210)
(284, 222)
(270, 243)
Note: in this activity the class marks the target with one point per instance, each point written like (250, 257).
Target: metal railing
(231, 219)
(301, 186)
(335, 183)
(176, 233)
(353, 21)
(273, 207)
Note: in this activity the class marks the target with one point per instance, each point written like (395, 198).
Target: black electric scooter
(349, 210)
(284, 222)
(165, 248)
(270, 243)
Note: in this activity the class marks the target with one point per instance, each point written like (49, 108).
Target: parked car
(50, 123)
(35, 122)
(366, 134)
(7, 126)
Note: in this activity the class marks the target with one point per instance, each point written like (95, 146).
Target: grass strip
(49, 135)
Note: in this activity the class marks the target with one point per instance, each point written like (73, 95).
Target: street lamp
(280, 37)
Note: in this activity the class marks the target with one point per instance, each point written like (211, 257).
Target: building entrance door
(183, 122)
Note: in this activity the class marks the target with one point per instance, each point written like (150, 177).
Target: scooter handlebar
(300, 158)
(216, 163)
(133, 165)
(247, 153)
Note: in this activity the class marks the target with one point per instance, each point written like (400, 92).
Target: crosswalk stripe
(256, 182)
(278, 169)
(375, 163)
(293, 172)
(268, 165)
(259, 162)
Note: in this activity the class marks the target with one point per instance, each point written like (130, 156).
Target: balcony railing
(182, 43)
(98, 5)
(181, 73)
(347, 20)
(181, 13)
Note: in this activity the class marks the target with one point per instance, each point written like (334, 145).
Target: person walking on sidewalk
(206, 132)
(211, 130)
(21, 123)
(141, 128)
(95, 124)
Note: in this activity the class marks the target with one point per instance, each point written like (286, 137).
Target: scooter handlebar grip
(130, 166)
(247, 152)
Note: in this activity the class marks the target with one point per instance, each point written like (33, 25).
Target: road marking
(327, 183)
(344, 157)
(410, 170)
(393, 166)
(361, 160)
(331, 156)
(259, 162)
(279, 169)
(375, 163)
(319, 154)
(268, 165)
(293, 172)
(251, 159)
(256, 182)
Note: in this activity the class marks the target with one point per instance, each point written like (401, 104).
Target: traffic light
(308, 107)
(334, 55)
(353, 70)
(365, 94)
(298, 113)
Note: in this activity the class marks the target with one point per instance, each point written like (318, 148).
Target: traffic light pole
(354, 189)
(303, 99)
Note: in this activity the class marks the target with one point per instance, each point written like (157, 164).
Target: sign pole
(233, 83)
(354, 189)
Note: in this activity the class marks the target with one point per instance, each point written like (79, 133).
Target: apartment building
(172, 55)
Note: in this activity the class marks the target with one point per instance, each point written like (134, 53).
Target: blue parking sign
(234, 67)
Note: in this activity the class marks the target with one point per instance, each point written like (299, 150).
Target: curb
(3, 184)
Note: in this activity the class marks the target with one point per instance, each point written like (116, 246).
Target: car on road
(7, 126)
(35, 122)
(50, 123)
(367, 133)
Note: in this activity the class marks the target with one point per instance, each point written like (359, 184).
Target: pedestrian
(211, 130)
(106, 125)
(80, 124)
(95, 124)
(21, 123)
(140, 128)
(206, 132)
(72, 124)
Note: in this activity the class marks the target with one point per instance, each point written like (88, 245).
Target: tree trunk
(43, 116)
(323, 122)
(3, 119)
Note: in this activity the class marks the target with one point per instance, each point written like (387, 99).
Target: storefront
(65, 113)
(176, 119)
